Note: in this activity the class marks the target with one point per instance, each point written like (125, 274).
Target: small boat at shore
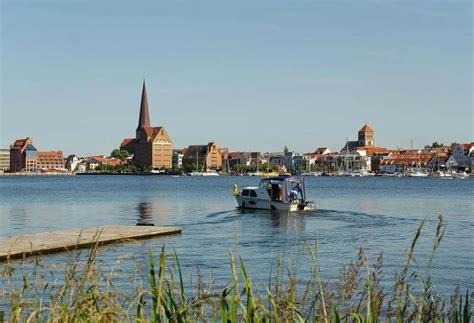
(461, 175)
(310, 174)
(441, 174)
(417, 173)
(283, 193)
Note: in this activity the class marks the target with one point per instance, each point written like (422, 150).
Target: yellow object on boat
(236, 190)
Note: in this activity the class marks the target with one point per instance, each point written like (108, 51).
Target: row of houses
(24, 156)
(152, 147)
(77, 164)
(457, 156)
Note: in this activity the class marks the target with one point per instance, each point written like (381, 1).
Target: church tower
(151, 147)
(366, 137)
(144, 118)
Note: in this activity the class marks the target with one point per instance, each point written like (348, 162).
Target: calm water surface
(375, 213)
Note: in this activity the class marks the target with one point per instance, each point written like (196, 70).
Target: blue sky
(249, 75)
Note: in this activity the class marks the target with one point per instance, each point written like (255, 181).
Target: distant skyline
(247, 75)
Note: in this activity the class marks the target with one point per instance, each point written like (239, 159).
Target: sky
(248, 75)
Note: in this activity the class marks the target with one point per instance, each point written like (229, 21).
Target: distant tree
(435, 145)
(237, 168)
(193, 166)
(101, 167)
(120, 154)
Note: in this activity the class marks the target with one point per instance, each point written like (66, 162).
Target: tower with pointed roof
(151, 147)
(144, 117)
(366, 137)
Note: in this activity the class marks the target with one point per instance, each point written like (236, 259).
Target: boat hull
(262, 204)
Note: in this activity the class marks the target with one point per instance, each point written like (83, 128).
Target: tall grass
(86, 293)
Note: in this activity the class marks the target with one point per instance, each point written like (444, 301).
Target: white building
(460, 156)
(81, 166)
(71, 163)
(177, 159)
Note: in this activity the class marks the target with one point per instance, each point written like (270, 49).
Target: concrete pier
(71, 239)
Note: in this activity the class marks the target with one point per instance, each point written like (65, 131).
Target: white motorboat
(205, 173)
(284, 193)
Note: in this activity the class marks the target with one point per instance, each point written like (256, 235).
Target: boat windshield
(274, 189)
(284, 188)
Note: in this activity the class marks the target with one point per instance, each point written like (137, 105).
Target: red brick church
(151, 146)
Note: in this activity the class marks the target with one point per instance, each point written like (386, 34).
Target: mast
(197, 160)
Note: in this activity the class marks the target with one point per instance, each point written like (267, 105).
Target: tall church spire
(144, 119)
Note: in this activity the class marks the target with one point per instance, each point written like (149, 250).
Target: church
(151, 146)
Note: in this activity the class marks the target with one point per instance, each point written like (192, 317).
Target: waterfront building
(373, 156)
(246, 158)
(4, 160)
(402, 160)
(92, 162)
(71, 163)
(438, 160)
(321, 151)
(316, 159)
(178, 158)
(239, 158)
(23, 155)
(459, 157)
(301, 162)
(202, 157)
(81, 166)
(152, 146)
(50, 160)
(288, 159)
(276, 158)
(346, 162)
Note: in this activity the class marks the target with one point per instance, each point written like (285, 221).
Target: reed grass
(87, 294)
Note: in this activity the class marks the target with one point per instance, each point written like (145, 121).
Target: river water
(377, 213)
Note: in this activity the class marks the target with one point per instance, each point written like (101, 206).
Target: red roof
(320, 150)
(463, 146)
(373, 150)
(366, 128)
(407, 158)
(127, 141)
(18, 144)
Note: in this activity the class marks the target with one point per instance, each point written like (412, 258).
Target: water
(377, 213)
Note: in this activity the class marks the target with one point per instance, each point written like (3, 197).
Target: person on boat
(293, 194)
(276, 192)
(296, 193)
